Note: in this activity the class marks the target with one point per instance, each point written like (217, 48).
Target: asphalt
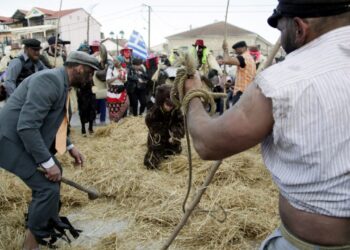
(75, 121)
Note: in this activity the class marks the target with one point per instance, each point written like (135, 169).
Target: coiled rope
(182, 101)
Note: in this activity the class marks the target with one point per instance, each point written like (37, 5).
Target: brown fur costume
(165, 129)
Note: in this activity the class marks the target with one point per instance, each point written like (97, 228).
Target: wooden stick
(271, 56)
(92, 194)
(192, 206)
(228, 4)
(58, 25)
(225, 38)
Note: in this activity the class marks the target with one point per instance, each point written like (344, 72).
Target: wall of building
(73, 27)
(110, 46)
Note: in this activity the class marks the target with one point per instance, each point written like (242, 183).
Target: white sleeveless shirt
(308, 152)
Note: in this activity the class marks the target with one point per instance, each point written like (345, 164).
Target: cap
(307, 8)
(83, 58)
(240, 44)
(52, 40)
(32, 43)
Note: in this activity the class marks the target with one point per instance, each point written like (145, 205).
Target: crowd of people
(126, 84)
(297, 109)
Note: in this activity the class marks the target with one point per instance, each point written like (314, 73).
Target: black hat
(307, 8)
(83, 58)
(240, 44)
(32, 43)
(52, 40)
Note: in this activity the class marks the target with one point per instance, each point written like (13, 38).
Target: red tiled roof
(46, 11)
(55, 14)
(4, 19)
(64, 12)
(212, 29)
(50, 13)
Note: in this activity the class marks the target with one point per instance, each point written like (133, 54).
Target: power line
(214, 12)
(215, 6)
(121, 11)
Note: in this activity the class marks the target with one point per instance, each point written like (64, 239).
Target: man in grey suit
(28, 126)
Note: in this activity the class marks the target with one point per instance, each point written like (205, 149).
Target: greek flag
(138, 45)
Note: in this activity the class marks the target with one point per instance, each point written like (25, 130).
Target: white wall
(73, 27)
(110, 46)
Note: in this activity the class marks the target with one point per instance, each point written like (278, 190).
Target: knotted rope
(187, 70)
(182, 101)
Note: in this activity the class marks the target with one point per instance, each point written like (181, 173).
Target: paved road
(75, 121)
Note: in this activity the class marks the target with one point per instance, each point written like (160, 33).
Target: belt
(302, 245)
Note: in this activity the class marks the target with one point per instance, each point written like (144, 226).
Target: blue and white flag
(138, 45)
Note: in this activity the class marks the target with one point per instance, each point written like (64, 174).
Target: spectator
(24, 65)
(246, 68)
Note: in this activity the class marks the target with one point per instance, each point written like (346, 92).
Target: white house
(76, 25)
(213, 35)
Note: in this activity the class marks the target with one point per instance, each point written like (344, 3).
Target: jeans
(101, 109)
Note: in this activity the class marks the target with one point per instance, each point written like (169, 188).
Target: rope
(176, 93)
(178, 98)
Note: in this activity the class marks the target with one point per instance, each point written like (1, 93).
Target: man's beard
(79, 80)
(52, 51)
(289, 44)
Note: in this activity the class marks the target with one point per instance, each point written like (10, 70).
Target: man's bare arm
(242, 127)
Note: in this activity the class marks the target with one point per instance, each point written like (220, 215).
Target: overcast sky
(168, 17)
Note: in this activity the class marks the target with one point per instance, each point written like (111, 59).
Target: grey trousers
(275, 241)
(44, 205)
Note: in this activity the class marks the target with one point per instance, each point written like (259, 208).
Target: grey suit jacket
(30, 119)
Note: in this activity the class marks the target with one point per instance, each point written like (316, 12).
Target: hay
(149, 202)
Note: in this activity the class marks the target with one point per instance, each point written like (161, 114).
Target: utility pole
(88, 29)
(149, 27)
(57, 30)
(121, 36)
